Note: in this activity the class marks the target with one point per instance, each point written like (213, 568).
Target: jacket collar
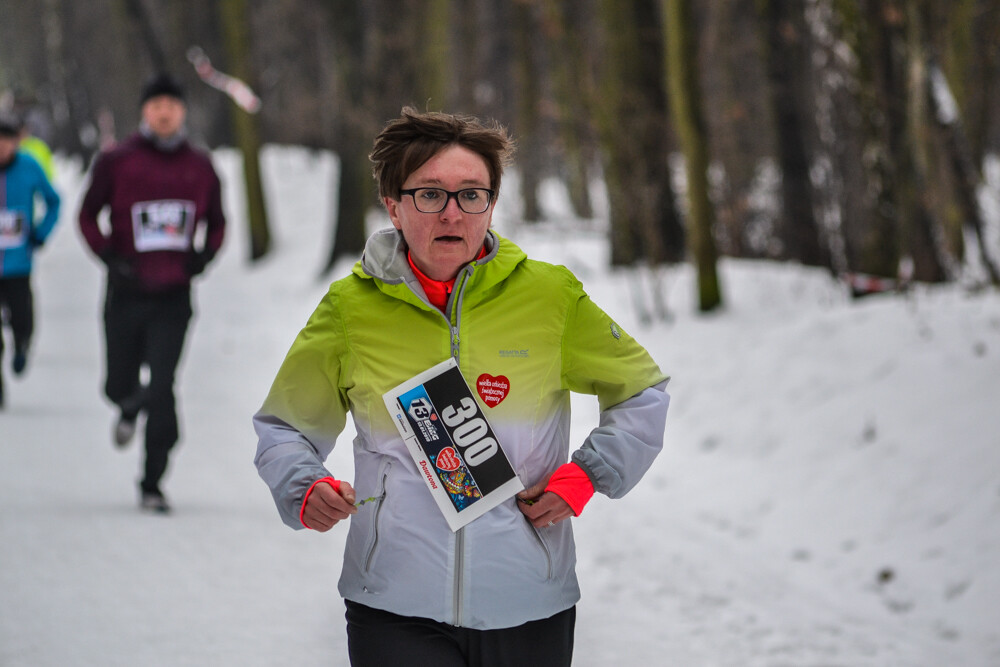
(164, 144)
(384, 257)
(384, 260)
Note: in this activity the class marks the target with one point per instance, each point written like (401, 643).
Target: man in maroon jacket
(158, 190)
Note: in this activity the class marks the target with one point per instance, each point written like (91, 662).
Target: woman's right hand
(325, 506)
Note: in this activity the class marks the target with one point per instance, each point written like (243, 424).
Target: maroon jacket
(157, 199)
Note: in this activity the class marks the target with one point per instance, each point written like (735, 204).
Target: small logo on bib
(447, 459)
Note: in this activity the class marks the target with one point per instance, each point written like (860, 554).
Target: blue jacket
(20, 182)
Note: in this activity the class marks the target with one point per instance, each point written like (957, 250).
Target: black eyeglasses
(434, 200)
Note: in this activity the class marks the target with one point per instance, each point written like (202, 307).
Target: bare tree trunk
(871, 231)
(436, 55)
(528, 87)
(787, 53)
(65, 115)
(739, 127)
(968, 50)
(353, 201)
(154, 46)
(685, 104)
(237, 38)
(967, 178)
(352, 132)
(920, 233)
(892, 101)
(574, 95)
(634, 132)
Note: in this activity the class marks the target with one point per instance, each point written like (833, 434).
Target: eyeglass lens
(434, 200)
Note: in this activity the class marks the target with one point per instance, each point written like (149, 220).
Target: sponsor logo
(615, 331)
(507, 354)
(447, 459)
(427, 473)
(424, 417)
(492, 389)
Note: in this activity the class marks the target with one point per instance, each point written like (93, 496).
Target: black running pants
(377, 638)
(16, 299)
(147, 330)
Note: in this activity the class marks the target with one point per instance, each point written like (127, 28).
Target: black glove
(120, 270)
(197, 261)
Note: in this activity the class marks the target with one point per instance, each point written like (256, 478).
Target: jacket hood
(384, 257)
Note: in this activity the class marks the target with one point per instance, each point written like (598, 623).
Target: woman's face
(441, 243)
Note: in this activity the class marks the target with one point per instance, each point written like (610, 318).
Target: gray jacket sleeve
(620, 450)
(288, 463)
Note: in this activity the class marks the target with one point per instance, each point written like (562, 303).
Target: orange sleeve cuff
(571, 483)
(335, 483)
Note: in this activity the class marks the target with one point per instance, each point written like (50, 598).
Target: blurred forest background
(847, 134)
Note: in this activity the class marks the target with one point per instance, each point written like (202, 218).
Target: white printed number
(470, 432)
(452, 417)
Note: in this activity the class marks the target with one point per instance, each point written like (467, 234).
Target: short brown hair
(407, 142)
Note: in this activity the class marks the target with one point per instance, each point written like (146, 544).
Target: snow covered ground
(829, 494)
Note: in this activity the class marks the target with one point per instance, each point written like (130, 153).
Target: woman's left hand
(543, 509)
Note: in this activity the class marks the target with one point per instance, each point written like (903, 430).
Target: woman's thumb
(347, 492)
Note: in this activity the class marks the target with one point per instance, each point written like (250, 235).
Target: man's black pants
(147, 330)
(376, 638)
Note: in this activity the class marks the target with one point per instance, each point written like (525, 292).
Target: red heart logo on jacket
(447, 459)
(492, 389)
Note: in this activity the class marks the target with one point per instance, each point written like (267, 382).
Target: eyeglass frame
(449, 195)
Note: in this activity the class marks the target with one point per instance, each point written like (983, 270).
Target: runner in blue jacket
(22, 180)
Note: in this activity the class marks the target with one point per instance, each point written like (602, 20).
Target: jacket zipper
(453, 317)
(378, 511)
(454, 321)
(459, 566)
(454, 342)
(545, 552)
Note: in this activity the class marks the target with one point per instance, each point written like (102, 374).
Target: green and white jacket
(510, 316)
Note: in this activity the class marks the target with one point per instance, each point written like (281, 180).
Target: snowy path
(812, 444)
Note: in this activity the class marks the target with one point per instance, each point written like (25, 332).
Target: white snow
(829, 493)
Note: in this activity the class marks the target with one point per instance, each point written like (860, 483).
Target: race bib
(164, 224)
(12, 228)
(454, 447)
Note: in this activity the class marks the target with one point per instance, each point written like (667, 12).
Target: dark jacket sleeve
(215, 219)
(98, 195)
